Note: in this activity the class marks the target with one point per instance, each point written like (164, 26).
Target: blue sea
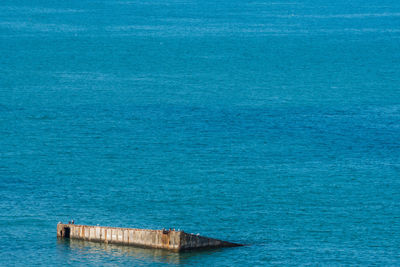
(275, 124)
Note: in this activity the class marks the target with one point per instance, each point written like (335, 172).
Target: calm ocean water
(270, 123)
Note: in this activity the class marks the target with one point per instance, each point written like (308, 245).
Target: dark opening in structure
(67, 232)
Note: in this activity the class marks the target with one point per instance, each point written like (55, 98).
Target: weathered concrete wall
(126, 236)
(171, 240)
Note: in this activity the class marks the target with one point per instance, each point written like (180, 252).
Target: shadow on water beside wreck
(85, 249)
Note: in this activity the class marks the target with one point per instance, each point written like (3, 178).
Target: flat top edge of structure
(120, 228)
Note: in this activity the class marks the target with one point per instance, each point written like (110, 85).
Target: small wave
(337, 16)
(42, 117)
(41, 27)
(273, 3)
(40, 10)
(91, 76)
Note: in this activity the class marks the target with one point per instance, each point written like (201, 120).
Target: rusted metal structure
(163, 239)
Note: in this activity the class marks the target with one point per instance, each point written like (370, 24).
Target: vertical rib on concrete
(171, 240)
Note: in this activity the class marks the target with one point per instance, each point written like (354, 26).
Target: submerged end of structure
(164, 239)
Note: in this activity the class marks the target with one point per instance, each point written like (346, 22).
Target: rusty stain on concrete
(164, 239)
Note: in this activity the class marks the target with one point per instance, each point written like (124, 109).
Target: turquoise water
(270, 123)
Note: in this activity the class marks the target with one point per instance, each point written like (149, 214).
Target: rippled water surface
(270, 123)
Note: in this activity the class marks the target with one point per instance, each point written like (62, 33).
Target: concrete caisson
(164, 239)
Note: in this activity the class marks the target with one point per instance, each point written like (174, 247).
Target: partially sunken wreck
(164, 239)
